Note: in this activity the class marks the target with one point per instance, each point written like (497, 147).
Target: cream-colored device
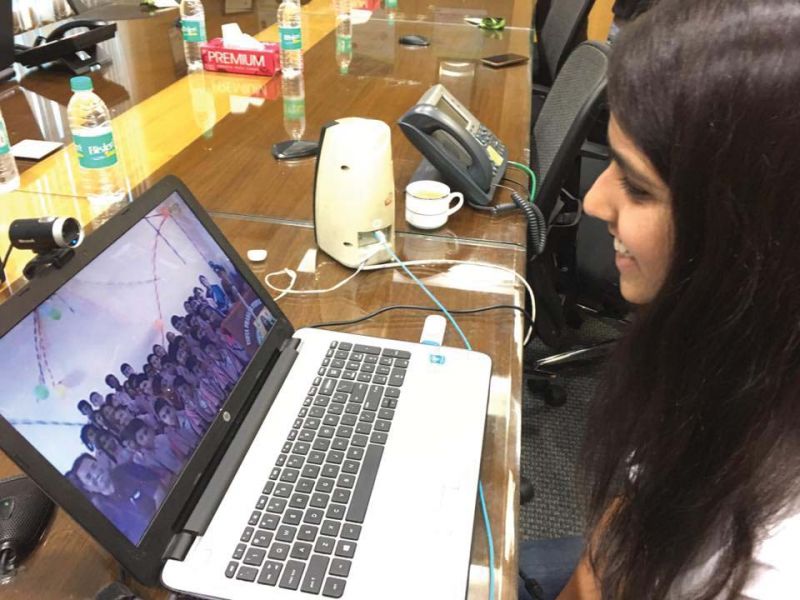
(354, 190)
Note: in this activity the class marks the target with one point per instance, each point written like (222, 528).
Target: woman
(693, 447)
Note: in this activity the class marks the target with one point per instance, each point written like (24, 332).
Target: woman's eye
(631, 189)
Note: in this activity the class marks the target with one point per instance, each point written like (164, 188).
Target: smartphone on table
(504, 60)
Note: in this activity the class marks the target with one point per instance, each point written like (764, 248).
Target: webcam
(52, 239)
(46, 234)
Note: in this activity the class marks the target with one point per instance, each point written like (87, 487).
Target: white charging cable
(292, 274)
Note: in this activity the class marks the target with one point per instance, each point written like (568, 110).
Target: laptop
(153, 389)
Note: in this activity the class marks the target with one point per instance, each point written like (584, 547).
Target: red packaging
(245, 62)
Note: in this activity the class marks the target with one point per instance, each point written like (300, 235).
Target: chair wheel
(554, 395)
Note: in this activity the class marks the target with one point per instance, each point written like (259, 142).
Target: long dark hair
(694, 439)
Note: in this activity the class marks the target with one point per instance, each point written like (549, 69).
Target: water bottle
(90, 123)
(9, 174)
(193, 27)
(291, 34)
(344, 35)
(391, 9)
(294, 105)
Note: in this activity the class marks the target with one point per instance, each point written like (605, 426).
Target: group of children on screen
(141, 432)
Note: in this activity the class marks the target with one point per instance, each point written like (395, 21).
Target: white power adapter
(433, 330)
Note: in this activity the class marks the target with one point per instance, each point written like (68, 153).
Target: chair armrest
(595, 150)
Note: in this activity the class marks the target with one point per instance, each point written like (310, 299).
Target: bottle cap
(81, 84)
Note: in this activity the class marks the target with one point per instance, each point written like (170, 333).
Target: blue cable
(484, 511)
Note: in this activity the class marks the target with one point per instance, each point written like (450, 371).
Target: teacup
(428, 204)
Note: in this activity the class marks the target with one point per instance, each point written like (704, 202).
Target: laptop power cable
(481, 496)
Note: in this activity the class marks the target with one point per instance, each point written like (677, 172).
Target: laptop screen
(117, 376)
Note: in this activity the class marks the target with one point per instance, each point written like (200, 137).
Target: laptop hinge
(179, 546)
(206, 506)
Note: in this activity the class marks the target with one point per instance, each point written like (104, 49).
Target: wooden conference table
(215, 131)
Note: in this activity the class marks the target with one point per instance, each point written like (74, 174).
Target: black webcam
(46, 234)
(52, 239)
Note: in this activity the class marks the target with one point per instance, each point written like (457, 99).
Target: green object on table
(493, 23)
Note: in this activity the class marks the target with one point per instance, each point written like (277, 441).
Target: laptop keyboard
(304, 529)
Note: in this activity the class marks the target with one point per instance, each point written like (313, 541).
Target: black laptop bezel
(145, 560)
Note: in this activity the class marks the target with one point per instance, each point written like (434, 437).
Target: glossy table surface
(215, 131)
(70, 565)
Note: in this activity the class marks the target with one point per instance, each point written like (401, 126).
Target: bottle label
(294, 109)
(96, 151)
(344, 44)
(194, 30)
(291, 39)
(5, 147)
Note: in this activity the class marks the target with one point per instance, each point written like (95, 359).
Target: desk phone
(468, 156)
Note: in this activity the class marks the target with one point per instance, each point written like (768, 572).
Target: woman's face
(635, 203)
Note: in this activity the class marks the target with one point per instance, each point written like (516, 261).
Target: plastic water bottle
(391, 9)
(9, 174)
(193, 27)
(291, 34)
(294, 105)
(90, 123)
(344, 35)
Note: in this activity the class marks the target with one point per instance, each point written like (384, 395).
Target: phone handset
(423, 121)
(61, 31)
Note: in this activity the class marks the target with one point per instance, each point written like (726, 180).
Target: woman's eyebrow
(629, 170)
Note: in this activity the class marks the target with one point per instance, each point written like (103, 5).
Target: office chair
(562, 28)
(568, 113)
(593, 289)
(576, 274)
(564, 122)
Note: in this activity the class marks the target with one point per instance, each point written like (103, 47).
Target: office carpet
(552, 438)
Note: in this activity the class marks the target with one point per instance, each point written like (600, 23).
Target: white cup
(428, 204)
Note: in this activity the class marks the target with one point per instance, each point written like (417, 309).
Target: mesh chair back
(565, 119)
(557, 36)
